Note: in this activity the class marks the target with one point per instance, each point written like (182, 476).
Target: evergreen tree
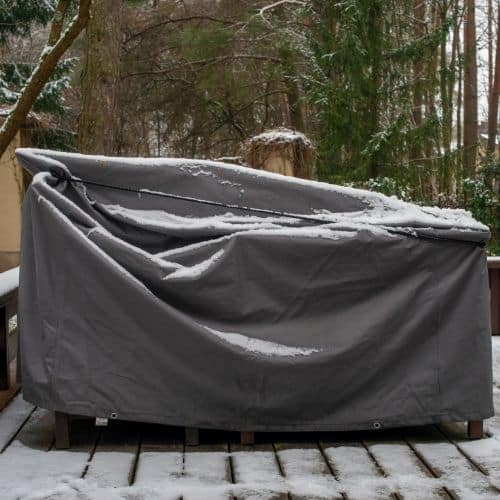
(363, 83)
(17, 18)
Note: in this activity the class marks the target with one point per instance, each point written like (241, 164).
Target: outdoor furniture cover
(368, 312)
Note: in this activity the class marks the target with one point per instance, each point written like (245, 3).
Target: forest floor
(143, 461)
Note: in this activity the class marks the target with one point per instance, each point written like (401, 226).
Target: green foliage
(53, 138)
(17, 16)
(390, 187)
(17, 19)
(13, 77)
(363, 53)
(479, 199)
(204, 42)
(217, 81)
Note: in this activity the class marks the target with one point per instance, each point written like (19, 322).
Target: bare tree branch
(262, 11)
(206, 62)
(58, 21)
(152, 27)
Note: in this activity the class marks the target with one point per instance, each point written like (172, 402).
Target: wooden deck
(141, 461)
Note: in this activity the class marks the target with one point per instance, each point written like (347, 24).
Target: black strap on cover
(63, 176)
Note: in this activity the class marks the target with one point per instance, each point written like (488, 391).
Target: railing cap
(9, 283)
(493, 262)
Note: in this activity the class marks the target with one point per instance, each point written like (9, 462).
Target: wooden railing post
(8, 308)
(494, 277)
(4, 348)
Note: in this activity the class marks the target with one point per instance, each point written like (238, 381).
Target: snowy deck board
(141, 461)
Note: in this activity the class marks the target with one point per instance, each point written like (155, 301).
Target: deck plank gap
(232, 476)
(280, 468)
(135, 463)
(472, 462)
(380, 469)
(331, 468)
(14, 436)
(450, 494)
(92, 453)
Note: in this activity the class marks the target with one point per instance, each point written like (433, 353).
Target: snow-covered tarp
(363, 312)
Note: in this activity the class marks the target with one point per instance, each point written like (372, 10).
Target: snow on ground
(400, 461)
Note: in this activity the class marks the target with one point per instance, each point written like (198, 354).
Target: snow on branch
(262, 11)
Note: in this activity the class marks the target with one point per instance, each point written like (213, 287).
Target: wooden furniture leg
(62, 430)
(247, 438)
(475, 429)
(192, 436)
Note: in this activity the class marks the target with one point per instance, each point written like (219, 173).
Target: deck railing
(9, 282)
(494, 275)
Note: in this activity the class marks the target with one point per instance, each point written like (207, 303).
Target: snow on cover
(196, 271)
(169, 221)
(258, 346)
(380, 209)
(231, 224)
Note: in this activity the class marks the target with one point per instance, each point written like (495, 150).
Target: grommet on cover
(114, 415)
(376, 425)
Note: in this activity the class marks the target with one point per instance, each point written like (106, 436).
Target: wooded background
(398, 96)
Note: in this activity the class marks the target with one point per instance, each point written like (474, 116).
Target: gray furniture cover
(374, 314)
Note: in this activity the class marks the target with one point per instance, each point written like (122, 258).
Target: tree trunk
(452, 79)
(431, 141)
(294, 104)
(493, 127)
(494, 94)
(419, 15)
(470, 90)
(98, 124)
(459, 101)
(375, 24)
(46, 65)
(490, 46)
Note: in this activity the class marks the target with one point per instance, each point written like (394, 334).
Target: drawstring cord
(63, 176)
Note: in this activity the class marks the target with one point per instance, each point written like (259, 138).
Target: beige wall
(11, 192)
